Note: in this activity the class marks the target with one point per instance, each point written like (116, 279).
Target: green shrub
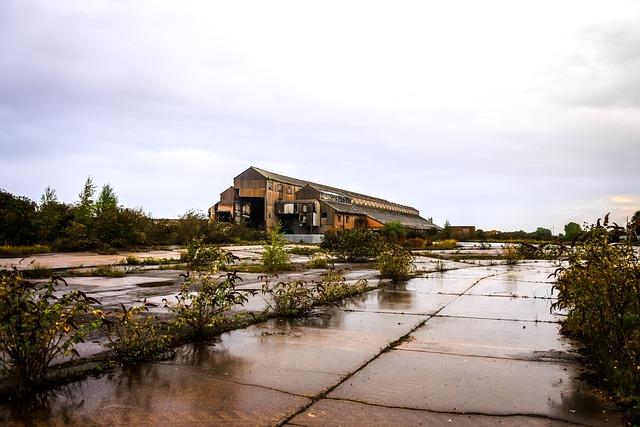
(510, 253)
(107, 271)
(320, 260)
(599, 286)
(394, 232)
(37, 326)
(225, 232)
(202, 301)
(352, 245)
(275, 257)
(335, 288)
(444, 244)
(303, 250)
(288, 298)
(201, 255)
(134, 335)
(415, 243)
(37, 271)
(394, 262)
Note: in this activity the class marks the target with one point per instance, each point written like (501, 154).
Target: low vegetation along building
(263, 199)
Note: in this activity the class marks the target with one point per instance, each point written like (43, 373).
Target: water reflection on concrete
(489, 345)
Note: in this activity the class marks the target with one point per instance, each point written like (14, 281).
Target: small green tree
(571, 231)
(85, 206)
(275, 257)
(394, 231)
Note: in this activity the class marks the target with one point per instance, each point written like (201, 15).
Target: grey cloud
(606, 70)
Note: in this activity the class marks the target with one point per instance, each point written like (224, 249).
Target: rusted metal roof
(321, 187)
(415, 222)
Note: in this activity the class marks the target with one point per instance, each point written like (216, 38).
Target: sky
(500, 114)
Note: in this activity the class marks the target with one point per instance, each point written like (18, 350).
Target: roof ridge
(323, 187)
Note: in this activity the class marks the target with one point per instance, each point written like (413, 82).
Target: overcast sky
(500, 114)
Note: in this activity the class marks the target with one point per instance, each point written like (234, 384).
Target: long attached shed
(263, 199)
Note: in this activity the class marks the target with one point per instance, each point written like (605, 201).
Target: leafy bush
(288, 298)
(444, 244)
(37, 271)
(135, 336)
(320, 260)
(202, 301)
(36, 327)
(352, 245)
(303, 250)
(531, 251)
(415, 243)
(335, 288)
(599, 286)
(394, 262)
(394, 232)
(202, 255)
(275, 257)
(107, 271)
(510, 253)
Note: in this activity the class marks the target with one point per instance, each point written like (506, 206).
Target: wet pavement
(473, 346)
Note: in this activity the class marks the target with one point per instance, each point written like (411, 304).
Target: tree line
(97, 221)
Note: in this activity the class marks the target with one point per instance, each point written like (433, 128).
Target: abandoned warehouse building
(263, 199)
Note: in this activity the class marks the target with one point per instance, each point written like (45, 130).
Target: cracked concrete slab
(303, 355)
(331, 412)
(479, 385)
(508, 308)
(517, 288)
(491, 338)
(435, 285)
(389, 301)
(161, 394)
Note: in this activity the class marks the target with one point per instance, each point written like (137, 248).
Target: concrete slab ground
(445, 349)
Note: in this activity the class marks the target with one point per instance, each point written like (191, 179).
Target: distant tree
(394, 231)
(52, 217)
(571, 230)
(16, 219)
(107, 200)
(49, 196)
(542, 234)
(85, 206)
(446, 231)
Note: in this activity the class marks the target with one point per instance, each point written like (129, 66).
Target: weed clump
(395, 262)
(134, 335)
(599, 286)
(352, 245)
(37, 326)
(288, 298)
(201, 255)
(320, 260)
(511, 253)
(203, 299)
(444, 244)
(107, 271)
(334, 287)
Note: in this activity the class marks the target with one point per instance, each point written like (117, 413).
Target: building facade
(263, 199)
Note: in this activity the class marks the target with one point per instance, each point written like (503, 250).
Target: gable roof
(322, 187)
(415, 222)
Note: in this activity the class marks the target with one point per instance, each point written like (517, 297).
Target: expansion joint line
(477, 413)
(386, 349)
